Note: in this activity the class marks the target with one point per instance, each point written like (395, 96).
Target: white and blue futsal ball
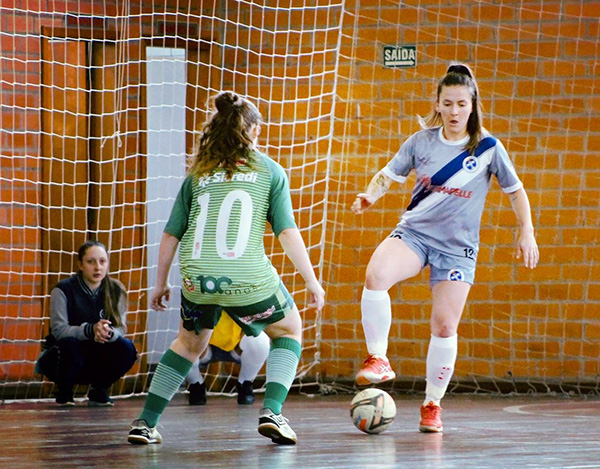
(372, 410)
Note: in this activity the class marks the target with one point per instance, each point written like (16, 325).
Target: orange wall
(537, 74)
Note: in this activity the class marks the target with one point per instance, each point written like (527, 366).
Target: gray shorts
(443, 266)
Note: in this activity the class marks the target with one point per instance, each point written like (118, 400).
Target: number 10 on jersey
(225, 214)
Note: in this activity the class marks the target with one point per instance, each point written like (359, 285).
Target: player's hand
(157, 296)
(102, 331)
(528, 248)
(317, 295)
(362, 203)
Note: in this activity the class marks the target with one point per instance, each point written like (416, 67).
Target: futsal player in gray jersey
(454, 159)
(218, 223)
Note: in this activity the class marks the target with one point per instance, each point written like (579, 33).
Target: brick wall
(537, 73)
(537, 68)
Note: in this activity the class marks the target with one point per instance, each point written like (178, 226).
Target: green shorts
(252, 318)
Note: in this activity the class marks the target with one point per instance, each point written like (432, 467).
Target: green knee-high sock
(281, 371)
(170, 373)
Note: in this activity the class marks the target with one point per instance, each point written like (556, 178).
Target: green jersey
(220, 224)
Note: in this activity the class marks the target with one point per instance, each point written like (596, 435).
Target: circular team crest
(188, 284)
(456, 275)
(470, 164)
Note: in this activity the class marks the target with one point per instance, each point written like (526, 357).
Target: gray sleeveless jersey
(449, 195)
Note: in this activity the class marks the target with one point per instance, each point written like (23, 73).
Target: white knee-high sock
(254, 354)
(194, 376)
(441, 358)
(376, 310)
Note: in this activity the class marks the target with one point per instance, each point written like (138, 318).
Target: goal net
(536, 64)
(101, 108)
(101, 103)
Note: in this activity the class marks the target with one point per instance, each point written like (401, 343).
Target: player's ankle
(432, 400)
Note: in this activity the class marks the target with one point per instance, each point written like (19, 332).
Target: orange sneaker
(376, 369)
(431, 418)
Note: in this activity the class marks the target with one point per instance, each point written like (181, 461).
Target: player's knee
(375, 281)
(444, 329)
(290, 326)
(194, 344)
(288, 330)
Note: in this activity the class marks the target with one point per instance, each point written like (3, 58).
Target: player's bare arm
(526, 244)
(294, 247)
(378, 186)
(166, 253)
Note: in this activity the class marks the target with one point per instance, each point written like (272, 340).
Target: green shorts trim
(252, 318)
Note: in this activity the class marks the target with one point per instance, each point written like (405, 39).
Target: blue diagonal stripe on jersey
(453, 167)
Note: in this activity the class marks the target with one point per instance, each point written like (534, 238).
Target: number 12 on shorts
(225, 212)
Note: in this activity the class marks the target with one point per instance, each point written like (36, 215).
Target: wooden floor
(480, 432)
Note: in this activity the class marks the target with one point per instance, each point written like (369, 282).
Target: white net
(101, 103)
(536, 65)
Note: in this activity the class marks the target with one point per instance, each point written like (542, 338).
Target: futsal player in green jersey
(218, 223)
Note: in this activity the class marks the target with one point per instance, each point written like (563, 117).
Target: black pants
(89, 362)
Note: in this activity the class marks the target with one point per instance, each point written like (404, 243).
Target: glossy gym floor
(479, 432)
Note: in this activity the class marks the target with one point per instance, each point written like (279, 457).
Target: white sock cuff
(444, 342)
(374, 294)
(207, 357)
(194, 376)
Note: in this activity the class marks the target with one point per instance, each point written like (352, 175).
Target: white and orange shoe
(431, 418)
(376, 369)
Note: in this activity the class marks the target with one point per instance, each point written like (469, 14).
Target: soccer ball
(372, 410)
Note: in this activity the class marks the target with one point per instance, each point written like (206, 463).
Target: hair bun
(461, 69)
(227, 100)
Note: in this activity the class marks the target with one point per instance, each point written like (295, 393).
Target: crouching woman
(87, 322)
